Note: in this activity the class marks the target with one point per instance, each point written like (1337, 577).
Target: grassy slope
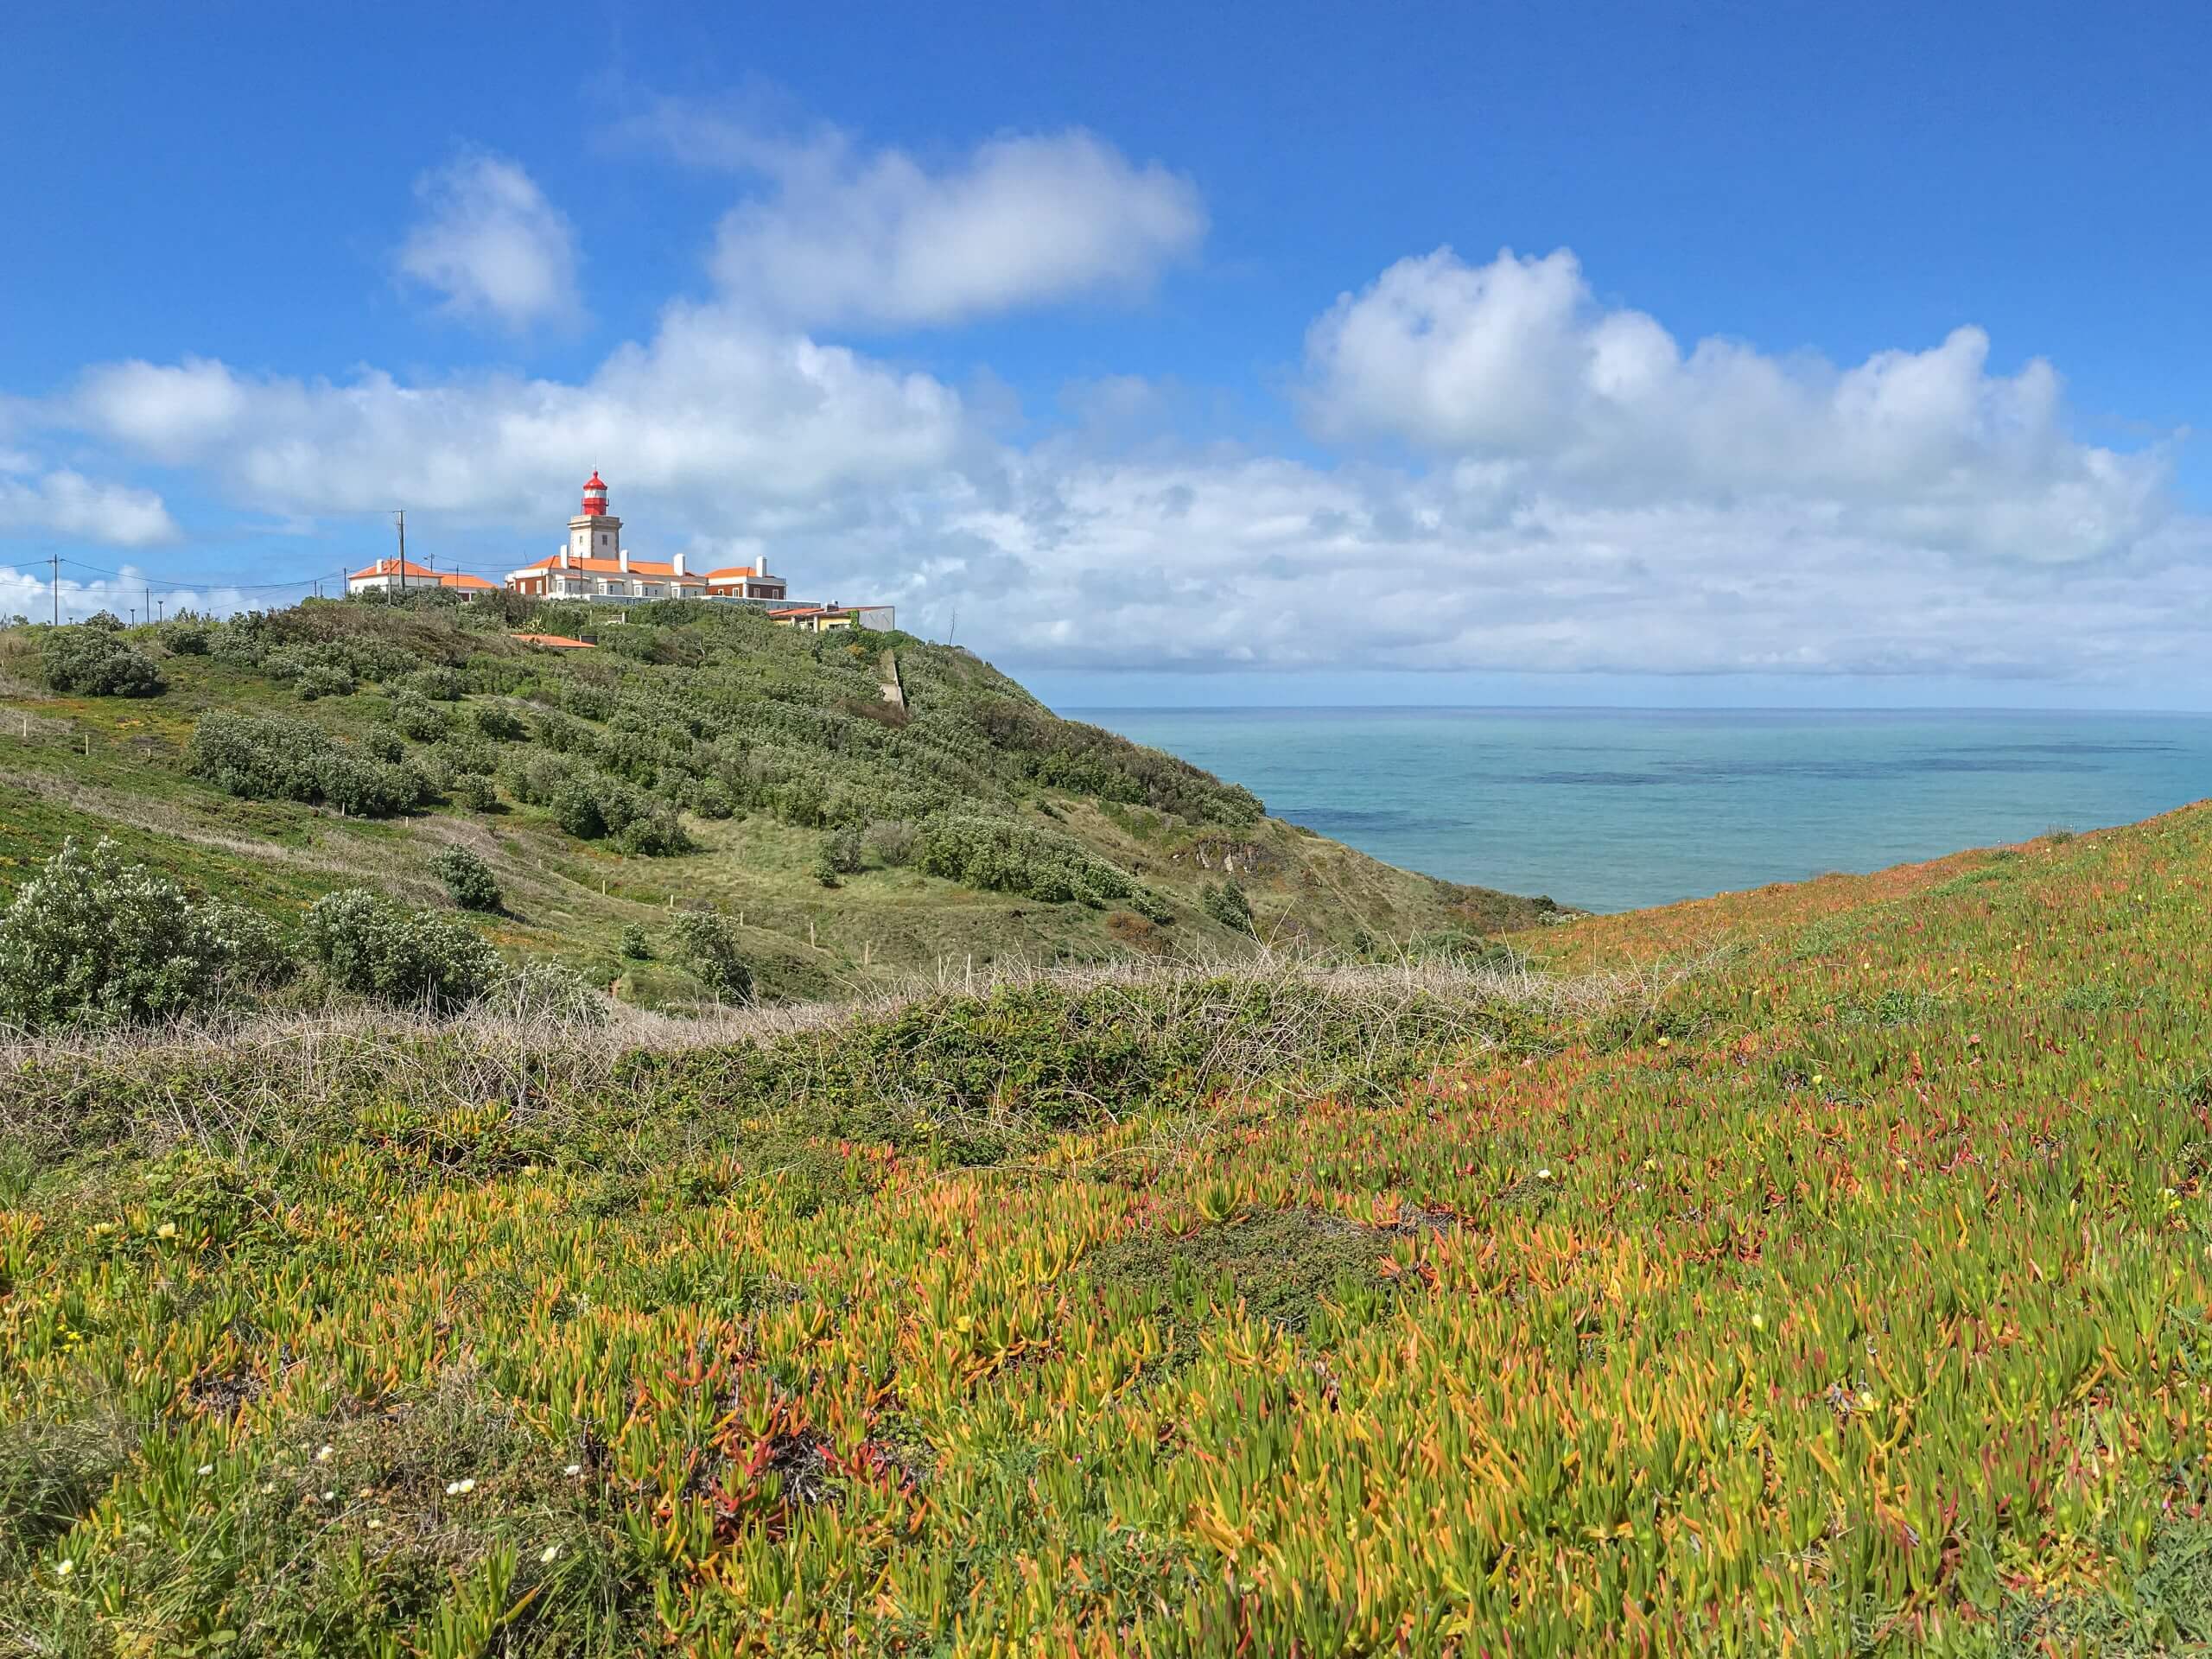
(1846, 1294)
(93, 766)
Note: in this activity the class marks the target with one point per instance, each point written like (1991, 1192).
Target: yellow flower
(166, 1229)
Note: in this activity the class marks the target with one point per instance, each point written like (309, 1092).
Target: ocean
(1617, 809)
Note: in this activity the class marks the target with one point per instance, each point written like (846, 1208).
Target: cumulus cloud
(491, 246)
(713, 408)
(1515, 367)
(1554, 487)
(30, 593)
(66, 504)
(848, 236)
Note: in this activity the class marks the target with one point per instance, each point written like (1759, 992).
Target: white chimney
(564, 555)
(622, 560)
(675, 563)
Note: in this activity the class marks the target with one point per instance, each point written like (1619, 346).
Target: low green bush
(274, 758)
(93, 939)
(418, 718)
(499, 723)
(88, 660)
(323, 680)
(1225, 902)
(635, 947)
(368, 944)
(707, 943)
(476, 791)
(1002, 855)
(468, 880)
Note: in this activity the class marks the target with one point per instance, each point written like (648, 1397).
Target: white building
(394, 575)
(594, 564)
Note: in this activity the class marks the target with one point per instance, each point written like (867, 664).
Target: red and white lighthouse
(595, 533)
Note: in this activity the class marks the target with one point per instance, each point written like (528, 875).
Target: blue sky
(1176, 346)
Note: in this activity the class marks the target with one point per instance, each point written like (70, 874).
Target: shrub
(710, 798)
(635, 945)
(1226, 903)
(1001, 856)
(93, 938)
(368, 944)
(468, 879)
(92, 661)
(464, 753)
(499, 723)
(384, 744)
(271, 757)
(892, 840)
(185, 639)
(841, 852)
(474, 791)
(706, 941)
(414, 715)
(323, 681)
(440, 684)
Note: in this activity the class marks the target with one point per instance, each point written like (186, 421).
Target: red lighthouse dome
(595, 495)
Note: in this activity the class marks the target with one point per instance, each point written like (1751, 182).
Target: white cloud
(30, 593)
(1515, 366)
(491, 245)
(856, 237)
(714, 408)
(1585, 495)
(67, 504)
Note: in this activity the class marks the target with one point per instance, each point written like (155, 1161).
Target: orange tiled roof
(658, 567)
(559, 641)
(414, 572)
(751, 573)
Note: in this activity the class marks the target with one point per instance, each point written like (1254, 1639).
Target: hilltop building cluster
(594, 564)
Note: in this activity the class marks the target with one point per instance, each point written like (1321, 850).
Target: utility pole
(160, 610)
(150, 600)
(400, 519)
(54, 559)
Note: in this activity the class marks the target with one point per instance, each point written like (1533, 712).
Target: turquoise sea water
(1611, 809)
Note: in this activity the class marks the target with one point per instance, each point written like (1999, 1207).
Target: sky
(1694, 355)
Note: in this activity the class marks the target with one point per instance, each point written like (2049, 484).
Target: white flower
(457, 1488)
(327, 1497)
(1758, 1321)
(1543, 1174)
(547, 1553)
(375, 1525)
(64, 1567)
(325, 1454)
(206, 1468)
(573, 1471)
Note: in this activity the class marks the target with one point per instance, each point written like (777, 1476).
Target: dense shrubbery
(1226, 903)
(368, 944)
(705, 942)
(591, 805)
(269, 757)
(93, 938)
(499, 723)
(476, 791)
(1003, 857)
(93, 661)
(468, 880)
(323, 680)
(418, 718)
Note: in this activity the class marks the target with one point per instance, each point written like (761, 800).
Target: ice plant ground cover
(1817, 1270)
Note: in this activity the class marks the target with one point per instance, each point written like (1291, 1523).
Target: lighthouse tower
(594, 533)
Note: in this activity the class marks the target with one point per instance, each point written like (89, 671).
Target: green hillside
(697, 757)
(1821, 1270)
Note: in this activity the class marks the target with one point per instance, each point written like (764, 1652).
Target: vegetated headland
(1822, 1268)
